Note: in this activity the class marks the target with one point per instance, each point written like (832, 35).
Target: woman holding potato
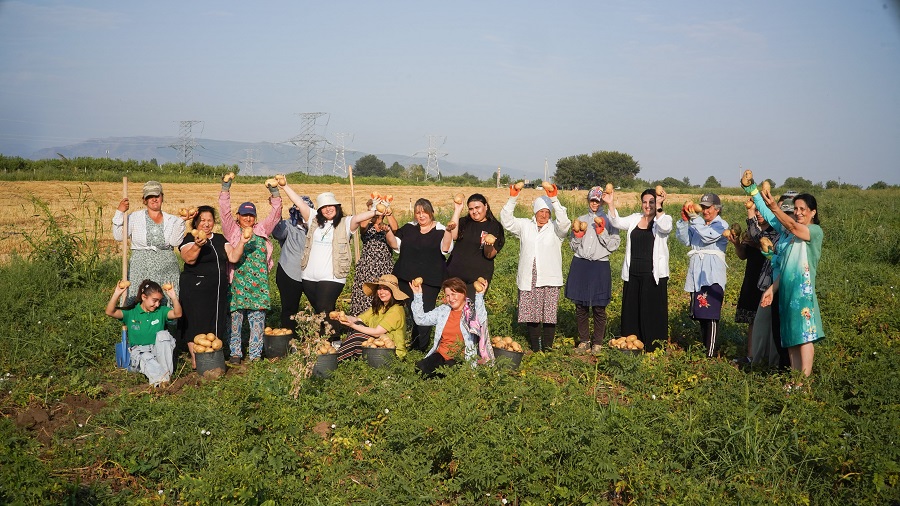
(645, 269)
(377, 257)
(703, 230)
(796, 261)
(460, 327)
(149, 343)
(478, 238)
(249, 276)
(154, 236)
(423, 244)
(539, 277)
(589, 285)
(385, 318)
(204, 280)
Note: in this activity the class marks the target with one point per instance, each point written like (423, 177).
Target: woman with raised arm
(539, 277)
(478, 237)
(154, 236)
(376, 258)
(645, 269)
(423, 244)
(204, 280)
(249, 290)
(589, 285)
(796, 262)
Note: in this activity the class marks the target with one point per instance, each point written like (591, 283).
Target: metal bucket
(502, 356)
(276, 346)
(378, 357)
(325, 365)
(210, 364)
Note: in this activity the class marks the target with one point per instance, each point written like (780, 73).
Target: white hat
(326, 199)
(542, 203)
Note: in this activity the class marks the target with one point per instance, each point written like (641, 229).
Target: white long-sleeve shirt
(541, 246)
(662, 227)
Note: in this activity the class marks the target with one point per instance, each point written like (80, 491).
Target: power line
(308, 141)
(340, 161)
(431, 164)
(186, 142)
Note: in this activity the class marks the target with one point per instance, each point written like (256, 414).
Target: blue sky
(696, 88)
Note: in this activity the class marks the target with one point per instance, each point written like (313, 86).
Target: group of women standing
(225, 277)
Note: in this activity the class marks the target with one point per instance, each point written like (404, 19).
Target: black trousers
(322, 296)
(291, 291)
(541, 339)
(583, 320)
(429, 364)
(421, 335)
(645, 308)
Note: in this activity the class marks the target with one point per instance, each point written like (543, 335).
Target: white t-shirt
(320, 266)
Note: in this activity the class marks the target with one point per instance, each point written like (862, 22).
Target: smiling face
(454, 299)
(477, 211)
(542, 217)
(206, 223)
(151, 301)
(648, 205)
(709, 213)
(384, 294)
(328, 212)
(594, 205)
(246, 220)
(422, 217)
(802, 213)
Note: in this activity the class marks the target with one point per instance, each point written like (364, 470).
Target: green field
(670, 427)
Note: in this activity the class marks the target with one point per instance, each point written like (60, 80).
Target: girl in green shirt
(385, 319)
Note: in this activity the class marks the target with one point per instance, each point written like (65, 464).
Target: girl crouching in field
(150, 344)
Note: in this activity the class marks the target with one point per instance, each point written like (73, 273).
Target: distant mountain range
(253, 158)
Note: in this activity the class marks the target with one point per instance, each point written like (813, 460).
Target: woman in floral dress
(375, 260)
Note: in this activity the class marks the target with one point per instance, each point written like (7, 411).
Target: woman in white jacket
(645, 270)
(540, 263)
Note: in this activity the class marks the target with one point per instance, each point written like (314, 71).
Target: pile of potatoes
(269, 331)
(379, 342)
(205, 343)
(325, 348)
(627, 343)
(506, 343)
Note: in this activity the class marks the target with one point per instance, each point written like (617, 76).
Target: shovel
(123, 357)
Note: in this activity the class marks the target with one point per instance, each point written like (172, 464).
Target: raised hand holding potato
(514, 189)
(550, 189)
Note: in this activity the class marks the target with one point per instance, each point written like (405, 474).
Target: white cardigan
(662, 227)
(538, 245)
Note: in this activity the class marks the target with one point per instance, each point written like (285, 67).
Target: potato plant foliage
(669, 427)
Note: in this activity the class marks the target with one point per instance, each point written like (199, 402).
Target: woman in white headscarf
(539, 277)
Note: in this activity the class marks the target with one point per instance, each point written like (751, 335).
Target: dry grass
(75, 204)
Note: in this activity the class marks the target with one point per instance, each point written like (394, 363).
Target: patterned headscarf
(473, 326)
(294, 212)
(596, 193)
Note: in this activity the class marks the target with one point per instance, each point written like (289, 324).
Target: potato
(268, 330)
(736, 229)
(516, 347)
(547, 186)
(217, 345)
(598, 220)
(609, 188)
(228, 177)
(726, 233)
(507, 340)
(381, 208)
(749, 204)
(698, 208)
(247, 232)
(124, 283)
(519, 185)
(199, 348)
(631, 338)
(490, 239)
(747, 178)
(183, 212)
(766, 186)
(280, 179)
(478, 285)
(766, 245)
(192, 211)
(659, 190)
(271, 182)
(199, 236)
(167, 286)
(458, 198)
(417, 282)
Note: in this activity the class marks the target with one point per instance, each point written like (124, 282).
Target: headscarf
(473, 327)
(596, 193)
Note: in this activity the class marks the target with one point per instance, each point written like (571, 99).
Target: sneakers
(583, 346)
(595, 349)
(234, 361)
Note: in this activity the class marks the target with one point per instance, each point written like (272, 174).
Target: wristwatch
(659, 209)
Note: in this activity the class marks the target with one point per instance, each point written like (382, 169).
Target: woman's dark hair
(382, 307)
(488, 215)
(146, 287)
(810, 203)
(338, 216)
(648, 191)
(455, 284)
(200, 210)
(426, 206)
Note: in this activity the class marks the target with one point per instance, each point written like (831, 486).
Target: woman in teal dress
(794, 273)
